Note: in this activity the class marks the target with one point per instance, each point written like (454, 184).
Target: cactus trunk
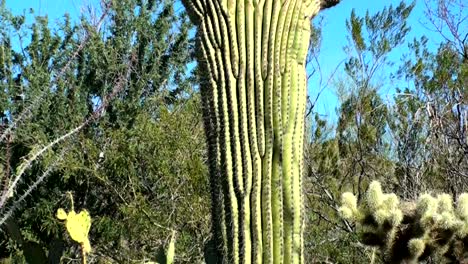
(253, 83)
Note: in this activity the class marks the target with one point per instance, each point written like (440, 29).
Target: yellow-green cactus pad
(78, 226)
(61, 214)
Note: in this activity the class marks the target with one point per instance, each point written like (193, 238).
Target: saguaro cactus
(252, 57)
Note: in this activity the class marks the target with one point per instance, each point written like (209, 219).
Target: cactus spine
(253, 84)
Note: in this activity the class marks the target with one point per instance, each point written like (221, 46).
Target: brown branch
(6, 180)
(324, 4)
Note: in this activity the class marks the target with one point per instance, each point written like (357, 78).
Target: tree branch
(324, 4)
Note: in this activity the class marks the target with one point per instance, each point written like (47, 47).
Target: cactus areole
(253, 82)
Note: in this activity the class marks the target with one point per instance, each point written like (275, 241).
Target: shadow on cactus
(409, 232)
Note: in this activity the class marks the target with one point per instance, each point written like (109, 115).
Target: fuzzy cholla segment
(410, 232)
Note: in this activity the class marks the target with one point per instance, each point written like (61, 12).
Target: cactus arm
(195, 10)
(257, 190)
(269, 233)
(246, 169)
(276, 31)
(287, 94)
(258, 63)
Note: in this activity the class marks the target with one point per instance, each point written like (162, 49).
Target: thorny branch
(118, 87)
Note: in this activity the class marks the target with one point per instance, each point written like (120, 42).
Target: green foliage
(362, 129)
(139, 162)
(358, 149)
(435, 104)
(31, 250)
(412, 143)
(131, 166)
(372, 38)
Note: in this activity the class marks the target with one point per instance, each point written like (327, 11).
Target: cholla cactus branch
(412, 231)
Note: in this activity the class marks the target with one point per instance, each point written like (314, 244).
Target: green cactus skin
(252, 58)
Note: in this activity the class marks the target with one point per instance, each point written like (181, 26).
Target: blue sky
(55, 9)
(334, 38)
(334, 35)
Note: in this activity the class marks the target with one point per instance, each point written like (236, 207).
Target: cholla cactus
(412, 231)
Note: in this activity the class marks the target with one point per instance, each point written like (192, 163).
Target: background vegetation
(111, 105)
